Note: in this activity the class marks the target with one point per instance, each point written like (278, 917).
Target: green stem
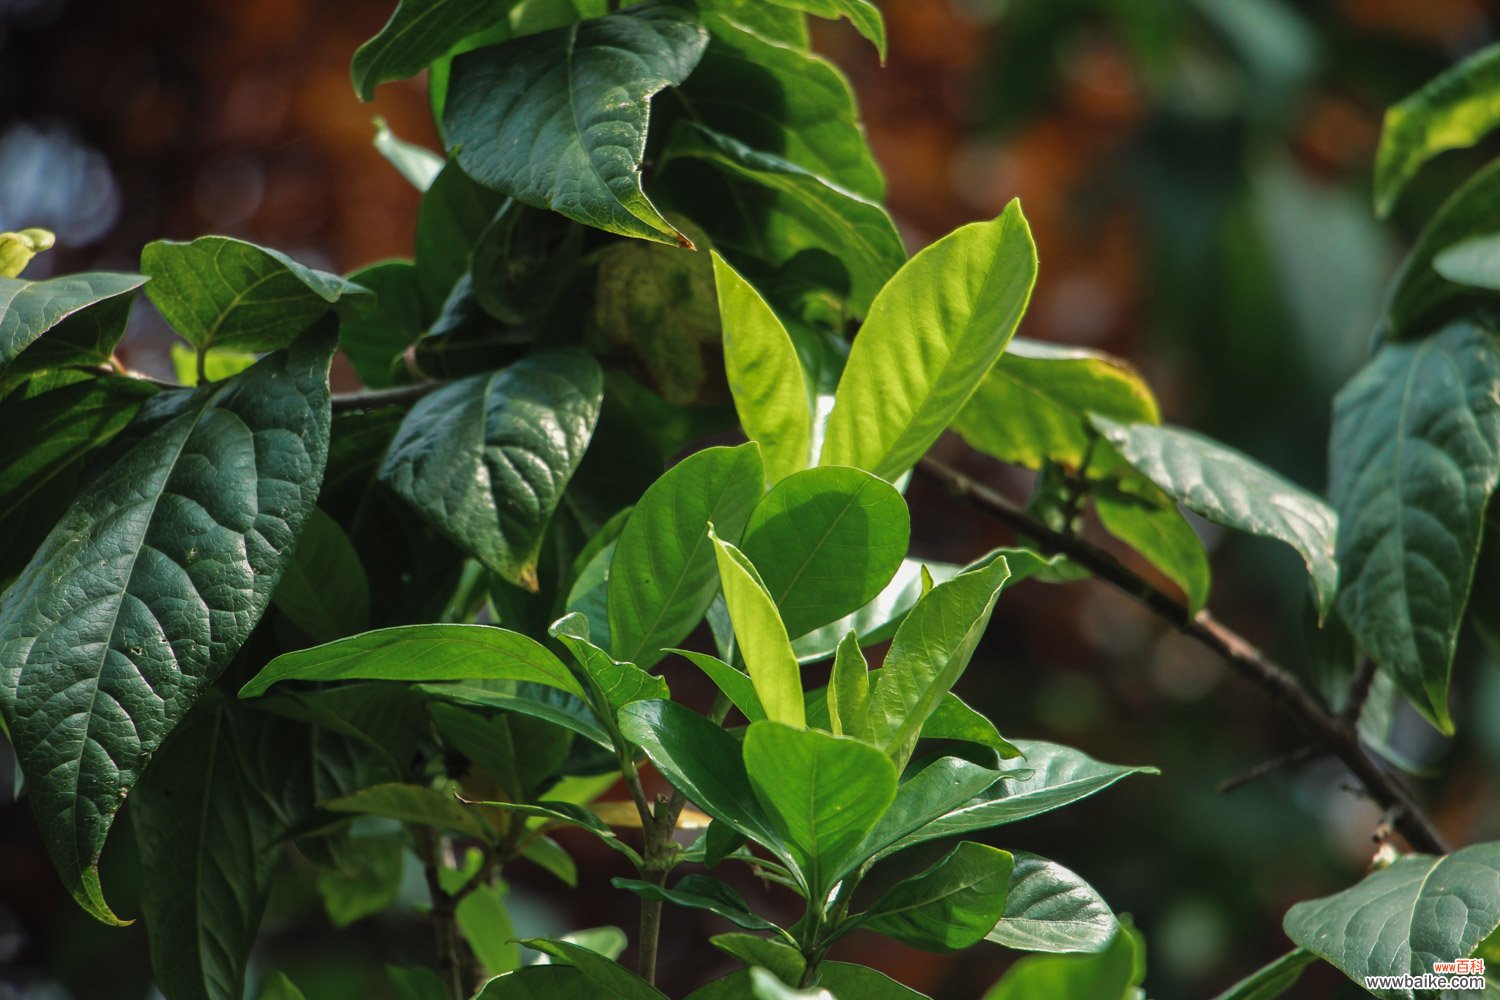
(449, 943)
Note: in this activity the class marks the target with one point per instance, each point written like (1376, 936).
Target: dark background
(1197, 175)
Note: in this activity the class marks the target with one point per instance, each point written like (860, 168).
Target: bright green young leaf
(826, 542)
(618, 683)
(664, 573)
(412, 804)
(1420, 297)
(951, 905)
(421, 653)
(417, 164)
(1112, 974)
(863, 14)
(702, 761)
(700, 892)
(1230, 489)
(773, 954)
(604, 976)
(777, 209)
(17, 249)
(558, 119)
(929, 653)
(1033, 406)
(82, 314)
(147, 587)
(1058, 776)
(842, 979)
(1051, 909)
(419, 32)
(217, 364)
(1452, 111)
(814, 123)
(486, 459)
(932, 336)
(765, 375)
(951, 720)
(222, 292)
(1273, 979)
(761, 637)
(324, 590)
(822, 793)
(1401, 919)
(610, 942)
(848, 694)
(1142, 516)
(1415, 455)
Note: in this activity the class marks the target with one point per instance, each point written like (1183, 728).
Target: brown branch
(372, 399)
(1330, 732)
(1301, 755)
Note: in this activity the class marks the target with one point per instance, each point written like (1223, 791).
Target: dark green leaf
(324, 591)
(604, 976)
(940, 788)
(415, 982)
(948, 907)
(147, 587)
(1051, 909)
(540, 701)
(1414, 459)
(826, 542)
(663, 575)
(1139, 514)
(735, 683)
(1400, 919)
(281, 988)
(364, 879)
(413, 804)
(1454, 110)
(878, 620)
(84, 313)
(700, 892)
(376, 341)
(421, 653)
(821, 793)
(1273, 979)
(222, 292)
(419, 32)
(1112, 974)
(455, 212)
(522, 262)
(768, 953)
(486, 459)
(558, 119)
(541, 982)
(1229, 489)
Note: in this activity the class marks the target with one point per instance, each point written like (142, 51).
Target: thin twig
(1301, 755)
(1243, 656)
(1359, 693)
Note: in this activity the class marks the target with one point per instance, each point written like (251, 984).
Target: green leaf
(416, 804)
(147, 587)
(209, 838)
(768, 953)
(364, 879)
(700, 892)
(1421, 298)
(455, 212)
(542, 982)
(826, 542)
(1051, 909)
(222, 292)
(844, 980)
(486, 459)
(84, 313)
(948, 907)
(419, 32)
(932, 336)
(415, 982)
(17, 249)
(417, 164)
(1032, 408)
(523, 260)
(878, 620)
(1230, 489)
(520, 754)
(558, 119)
(540, 701)
(604, 976)
(1452, 111)
(863, 14)
(664, 573)
(324, 590)
(775, 210)
(1413, 461)
(485, 923)
(1112, 974)
(610, 942)
(940, 788)
(822, 793)
(765, 986)
(765, 375)
(1058, 776)
(618, 683)
(736, 684)
(571, 814)
(421, 653)
(1145, 518)
(1273, 979)
(1474, 262)
(376, 341)
(217, 364)
(848, 693)
(931, 649)
(703, 762)
(1400, 919)
(279, 987)
(814, 124)
(953, 719)
(762, 638)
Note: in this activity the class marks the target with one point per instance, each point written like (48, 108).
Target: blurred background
(1197, 175)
